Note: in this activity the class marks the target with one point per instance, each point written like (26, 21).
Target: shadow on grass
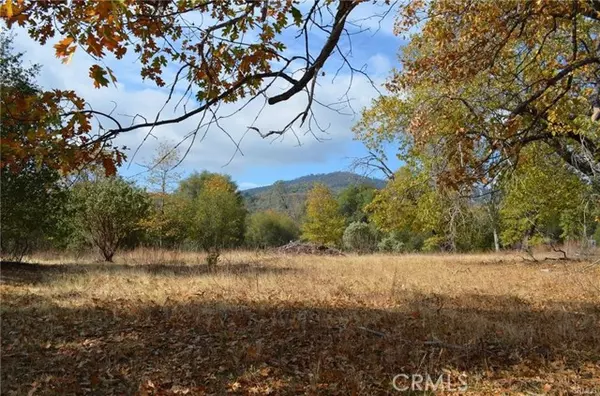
(18, 273)
(203, 347)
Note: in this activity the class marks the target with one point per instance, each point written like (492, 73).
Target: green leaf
(297, 15)
(98, 74)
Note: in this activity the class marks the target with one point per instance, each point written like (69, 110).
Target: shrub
(391, 244)
(360, 237)
(433, 244)
(270, 228)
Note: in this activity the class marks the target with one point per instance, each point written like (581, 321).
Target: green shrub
(270, 228)
(391, 244)
(360, 237)
(433, 244)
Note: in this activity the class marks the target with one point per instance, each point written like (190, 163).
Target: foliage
(481, 81)
(352, 201)
(216, 214)
(107, 211)
(417, 206)
(432, 244)
(229, 56)
(542, 194)
(192, 186)
(270, 229)
(33, 204)
(32, 130)
(323, 224)
(360, 237)
(391, 243)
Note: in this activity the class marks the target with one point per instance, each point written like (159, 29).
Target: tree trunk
(496, 240)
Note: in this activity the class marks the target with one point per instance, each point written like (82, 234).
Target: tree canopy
(482, 80)
(324, 223)
(219, 51)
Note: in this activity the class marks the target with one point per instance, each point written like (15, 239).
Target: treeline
(542, 202)
(432, 203)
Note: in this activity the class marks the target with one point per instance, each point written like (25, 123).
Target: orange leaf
(8, 8)
(109, 166)
(64, 48)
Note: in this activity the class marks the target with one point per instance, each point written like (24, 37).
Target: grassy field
(159, 323)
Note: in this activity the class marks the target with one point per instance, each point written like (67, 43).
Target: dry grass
(157, 322)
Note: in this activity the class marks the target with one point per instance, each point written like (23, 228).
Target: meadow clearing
(158, 322)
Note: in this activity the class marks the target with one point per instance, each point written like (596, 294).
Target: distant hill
(337, 181)
(289, 196)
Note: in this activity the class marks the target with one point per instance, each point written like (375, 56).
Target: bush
(270, 229)
(360, 237)
(391, 244)
(433, 244)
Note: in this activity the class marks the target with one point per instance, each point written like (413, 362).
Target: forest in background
(543, 201)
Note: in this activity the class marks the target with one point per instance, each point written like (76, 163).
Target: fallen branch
(375, 332)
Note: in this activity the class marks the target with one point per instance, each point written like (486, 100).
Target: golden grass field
(157, 322)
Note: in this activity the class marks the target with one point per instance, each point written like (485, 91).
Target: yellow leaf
(9, 10)
(63, 47)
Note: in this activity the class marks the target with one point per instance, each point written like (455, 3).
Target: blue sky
(263, 161)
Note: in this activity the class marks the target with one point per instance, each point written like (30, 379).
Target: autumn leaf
(109, 166)
(98, 74)
(113, 79)
(64, 49)
(8, 7)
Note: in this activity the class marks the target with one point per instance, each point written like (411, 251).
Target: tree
(352, 201)
(360, 237)
(427, 213)
(161, 168)
(270, 229)
(107, 211)
(161, 177)
(217, 218)
(236, 53)
(33, 130)
(33, 203)
(483, 80)
(323, 224)
(33, 197)
(192, 186)
(542, 197)
(277, 197)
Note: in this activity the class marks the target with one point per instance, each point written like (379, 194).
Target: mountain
(289, 196)
(336, 181)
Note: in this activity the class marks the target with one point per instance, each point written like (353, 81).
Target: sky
(261, 161)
